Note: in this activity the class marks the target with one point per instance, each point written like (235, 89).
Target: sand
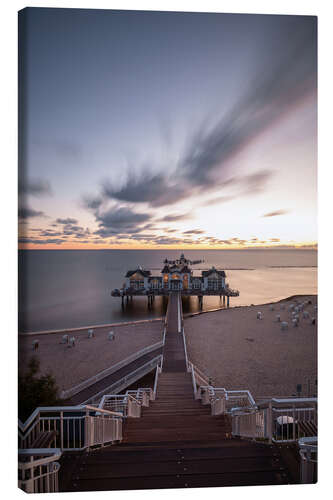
(232, 346)
(238, 351)
(71, 366)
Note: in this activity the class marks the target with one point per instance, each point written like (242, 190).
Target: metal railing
(38, 470)
(224, 401)
(112, 369)
(250, 425)
(126, 381)
(128, 404)
(278, 420)
(293, 419)
(308, 449)
(70, 427)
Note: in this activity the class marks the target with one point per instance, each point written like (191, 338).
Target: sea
(60, 289)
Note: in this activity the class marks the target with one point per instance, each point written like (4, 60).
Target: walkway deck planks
(176, 443)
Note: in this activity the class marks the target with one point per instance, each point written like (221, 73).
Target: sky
(166, 130)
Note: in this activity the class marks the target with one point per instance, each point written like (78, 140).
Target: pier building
(176, 276)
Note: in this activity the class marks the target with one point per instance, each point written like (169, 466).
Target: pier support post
(122, 302)
(224, 300)
(228, 299)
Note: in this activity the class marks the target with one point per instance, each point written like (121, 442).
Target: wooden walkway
(176, 443)
(106, 382)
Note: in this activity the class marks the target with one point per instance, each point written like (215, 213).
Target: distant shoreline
(161, 318)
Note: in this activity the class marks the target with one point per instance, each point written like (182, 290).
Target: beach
(238, 351)
(231, 346)
(72, 365)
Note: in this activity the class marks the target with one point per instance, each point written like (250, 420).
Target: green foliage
(34, 390)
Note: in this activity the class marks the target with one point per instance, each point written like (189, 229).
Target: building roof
(185, 269)
(139, 270)
(213, 271)
(165, 269)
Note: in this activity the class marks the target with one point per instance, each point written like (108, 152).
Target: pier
(180, 432)
(176, 276)
(178, 442)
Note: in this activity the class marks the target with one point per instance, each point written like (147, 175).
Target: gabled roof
(213, 271)
(185, 269)
(165, 269)
(139, 270)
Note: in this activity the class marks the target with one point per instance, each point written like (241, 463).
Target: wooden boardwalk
(106, 382)
(176, 443)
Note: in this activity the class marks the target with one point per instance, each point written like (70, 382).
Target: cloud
(37, 187)
(92, 203)
(256, 183)
(27, 213)
(218, 200)
(69, 220)
(194, 231)
(35, 241)
(176, 217)
(120, 219)
(76, 231)
(152, 188)
(204, 165)
(276, 213)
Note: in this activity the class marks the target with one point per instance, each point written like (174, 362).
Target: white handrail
(108, 371)
(125, 380)
(40, 475)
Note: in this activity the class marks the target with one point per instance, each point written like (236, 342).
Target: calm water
(71, 288)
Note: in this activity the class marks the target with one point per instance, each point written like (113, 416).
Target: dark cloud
(154, 189)
(92, 203)
(27, 213)
(120, 219)
(167, 241)
(205, 164)
(77, 231)
(194, 231)
(35, 241)
(276, 213)
(176, 217)
(69, 220)
(49, 233)
(37, 187)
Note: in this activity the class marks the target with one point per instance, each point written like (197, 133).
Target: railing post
(62, 430)
(270, 422)
(86, 430)
(103, 416)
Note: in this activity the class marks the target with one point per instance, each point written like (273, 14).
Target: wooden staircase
(176, 416)
(176, 443)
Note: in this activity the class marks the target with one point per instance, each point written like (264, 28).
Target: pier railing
(129, 404)
(38, 470)
(127, 380)
(308, 449)
(278, 420)
(109, 371)
(70, 428)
